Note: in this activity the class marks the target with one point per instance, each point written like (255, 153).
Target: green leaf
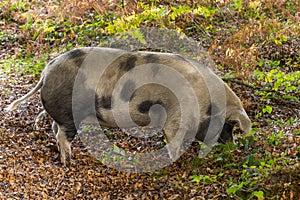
(251, 141)
(207, 180)
(259, 194)
(267, 109)
(49, 29)
(232, 189)
(196, 161)
(116, 149)
(290, 88)
(196, 178)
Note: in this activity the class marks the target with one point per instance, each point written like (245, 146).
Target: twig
(239, 83)
(278, 93)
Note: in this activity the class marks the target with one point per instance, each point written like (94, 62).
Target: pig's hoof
(173, 153)
(65, 154)
(65, 159)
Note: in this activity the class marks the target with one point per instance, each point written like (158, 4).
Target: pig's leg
(174, 133)
(174, 141)
(64, 144)
(55, 127)
(42, 115)
(179, 132)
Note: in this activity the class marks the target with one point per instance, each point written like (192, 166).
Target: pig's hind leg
(64, 138)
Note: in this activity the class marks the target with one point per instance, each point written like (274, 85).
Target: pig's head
(234, 117)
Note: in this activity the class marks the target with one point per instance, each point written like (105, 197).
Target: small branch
(232, 80)
(278, 93)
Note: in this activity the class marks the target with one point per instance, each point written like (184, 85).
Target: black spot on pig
(145, 106)
(128, 64)
(71, 133)
(208, 112)
(127, 90)
(224, 130)
(212, 110)
(103, 102)
(77, 56)
(152, 58)
(202, 129)
(76, 53)
(226, 134)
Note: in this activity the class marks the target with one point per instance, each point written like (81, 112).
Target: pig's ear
(241, 117)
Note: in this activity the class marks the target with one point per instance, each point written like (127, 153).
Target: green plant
(16, 5)
(205, 179)
(274, 138)
(236, 5)
(276, 80)
(24, 65)
(267, 109)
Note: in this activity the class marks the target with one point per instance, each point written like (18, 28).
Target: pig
(123, 89)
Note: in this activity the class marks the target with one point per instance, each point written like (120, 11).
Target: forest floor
(255, 46)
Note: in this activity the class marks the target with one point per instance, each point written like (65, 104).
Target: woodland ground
(256, 47)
